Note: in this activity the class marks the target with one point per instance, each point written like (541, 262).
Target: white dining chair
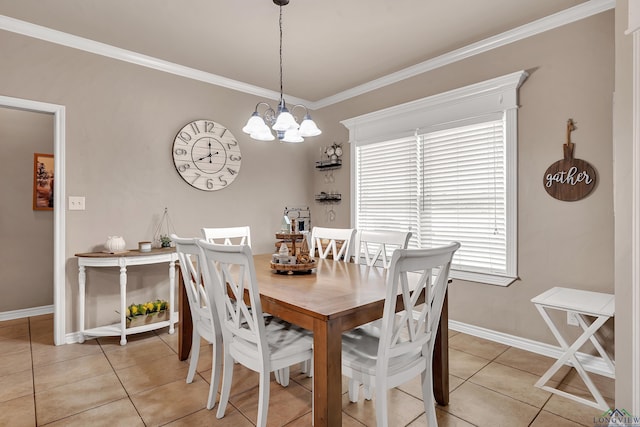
(258, 343)
(227, 235)
(375, 247)
(403, 347)
(203, 312)
(330, 238)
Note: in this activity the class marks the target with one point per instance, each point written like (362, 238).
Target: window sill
(489, 279)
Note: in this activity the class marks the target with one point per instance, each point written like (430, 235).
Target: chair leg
(428, 397)
(282, 376)
(263, 399)
(354, 386)
(216, 370)
(227, 377)
(368, 392)
(195, 354)
(382, 405)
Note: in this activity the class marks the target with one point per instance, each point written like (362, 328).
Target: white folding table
(584, 304)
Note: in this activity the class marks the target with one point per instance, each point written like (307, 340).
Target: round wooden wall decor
(569, 179)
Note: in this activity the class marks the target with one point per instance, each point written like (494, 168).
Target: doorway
(59, 295)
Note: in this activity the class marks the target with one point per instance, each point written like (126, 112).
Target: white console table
(123, 260)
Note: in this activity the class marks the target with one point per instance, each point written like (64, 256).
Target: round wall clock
(206, 155)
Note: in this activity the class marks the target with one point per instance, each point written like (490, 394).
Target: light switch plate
(76, 203)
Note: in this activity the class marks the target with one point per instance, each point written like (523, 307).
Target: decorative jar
(115, 244)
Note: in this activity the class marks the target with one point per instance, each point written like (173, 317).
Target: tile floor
(143, 384)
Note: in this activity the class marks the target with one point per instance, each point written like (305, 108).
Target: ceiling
(329, 46)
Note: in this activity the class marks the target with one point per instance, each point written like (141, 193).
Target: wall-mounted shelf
(328, 197)
(329, 164)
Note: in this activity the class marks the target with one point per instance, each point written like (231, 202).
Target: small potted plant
(165, 241)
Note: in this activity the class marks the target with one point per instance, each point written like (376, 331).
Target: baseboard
(26, 312)
(590, 363)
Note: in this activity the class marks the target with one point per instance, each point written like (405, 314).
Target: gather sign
(569, 179)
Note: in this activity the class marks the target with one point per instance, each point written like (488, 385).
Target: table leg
(82, 279)
(327, 373)
(185, 323)
(440, 364)
(123, 304)
(172, 293)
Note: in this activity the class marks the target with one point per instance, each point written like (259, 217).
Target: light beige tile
(511, 382)
(414, 387)
(15, 331)
(157, 372)
(16, 385)
(477, 346)
(307, 420)
(463, 365)
(18, 412)
(14, 322)
(606, 386)
(118, 413)
(172, 401)
(572, 410)
(70, 399)
(206, 418)
(285, 403)
(445, 419)
(483, 407)
(14, 345)
(546, 419)
(403, 408)
(533, 363)
(14, 362)
(41, 325)
(69, 371)
(137, 352)
(46, 354)
(170, 339)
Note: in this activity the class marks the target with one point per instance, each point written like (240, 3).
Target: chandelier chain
(281, 86)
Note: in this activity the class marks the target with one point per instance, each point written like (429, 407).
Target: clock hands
(210, 155)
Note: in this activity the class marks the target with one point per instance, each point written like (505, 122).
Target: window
(444, 167)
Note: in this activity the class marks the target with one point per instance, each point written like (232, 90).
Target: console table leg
(82, 279)
(172, 294)
(123, 304)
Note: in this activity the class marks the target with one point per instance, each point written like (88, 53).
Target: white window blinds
(387, 185)
(463, 188)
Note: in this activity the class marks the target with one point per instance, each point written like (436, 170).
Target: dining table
(334, 297)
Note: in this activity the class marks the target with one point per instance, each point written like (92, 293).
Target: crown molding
(576, 13)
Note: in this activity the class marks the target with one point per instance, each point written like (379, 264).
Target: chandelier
(281, 120)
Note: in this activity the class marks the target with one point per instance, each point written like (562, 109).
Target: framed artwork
(43, 182)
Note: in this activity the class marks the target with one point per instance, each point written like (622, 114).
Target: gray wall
(27, 235)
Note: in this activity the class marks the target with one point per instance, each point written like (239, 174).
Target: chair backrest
(203, 310)
(378, 246)
(412, 331)
(331, 237)
(230, 275)
(224, 235)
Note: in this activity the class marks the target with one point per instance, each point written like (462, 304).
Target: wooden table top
(127, 253)
(334, 289)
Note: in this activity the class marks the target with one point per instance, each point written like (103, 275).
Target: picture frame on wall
(43, 182)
